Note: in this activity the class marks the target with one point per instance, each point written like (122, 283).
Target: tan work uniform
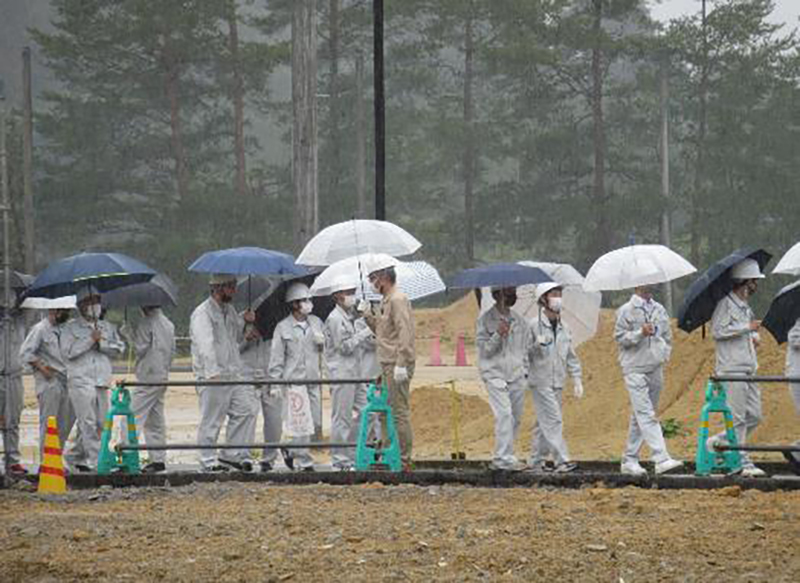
(394, 332)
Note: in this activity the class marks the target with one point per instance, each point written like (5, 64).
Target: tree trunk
(699, 175)
(333, 99)
(238, 100)
(666, 234)
(602, 235)
(304, 110)
(468, 160)
(27, 154)
(361, 140)
(172, 81)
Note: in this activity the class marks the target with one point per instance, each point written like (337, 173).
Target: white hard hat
(379, 262)
(543, 288)
(297, 291)
(343, 283)
(746, 269)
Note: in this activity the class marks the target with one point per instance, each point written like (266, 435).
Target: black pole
(380, 111)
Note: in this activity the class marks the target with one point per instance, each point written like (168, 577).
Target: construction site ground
(240, 531)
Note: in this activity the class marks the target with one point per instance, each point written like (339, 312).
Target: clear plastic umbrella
(356, 237)
(581, 308)
(790, 262)
(417, 279)
(634, 266)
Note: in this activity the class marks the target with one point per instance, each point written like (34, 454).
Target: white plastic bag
(297, 421)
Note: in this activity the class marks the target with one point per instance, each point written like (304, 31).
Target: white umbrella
(417, 279)
(65, 302)
(356, 237)
(790, 262)
(580, 310)
(634, 266)
(352, 267)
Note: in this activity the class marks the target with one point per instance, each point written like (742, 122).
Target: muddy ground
(259, 532)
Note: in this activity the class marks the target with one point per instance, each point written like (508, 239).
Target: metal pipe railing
(780, 448)
(270, 382)
(185, 446)
(729, 378)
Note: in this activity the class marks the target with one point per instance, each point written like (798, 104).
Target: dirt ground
(245, 531)
(259, 532)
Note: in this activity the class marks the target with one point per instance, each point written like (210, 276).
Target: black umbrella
(19, 283)
(273, 307)
(784, 312)
(707, 290)
(253, 289)
(159, 291)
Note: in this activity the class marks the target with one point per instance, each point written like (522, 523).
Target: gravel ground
(243, 532)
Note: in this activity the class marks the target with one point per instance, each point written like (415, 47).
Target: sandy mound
(596, 426)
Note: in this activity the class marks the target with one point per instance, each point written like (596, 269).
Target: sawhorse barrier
(381, 455)
(726, 457)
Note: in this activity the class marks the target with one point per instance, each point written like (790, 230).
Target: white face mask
(93, 311)
(554, 304)
(349, 301)
(306, 307)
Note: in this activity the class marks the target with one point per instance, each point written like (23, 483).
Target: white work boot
(753, 472)
(668, 465)
(632, 469)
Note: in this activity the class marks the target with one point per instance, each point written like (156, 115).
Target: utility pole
(666, 237)
(27, 160)
(380, 112)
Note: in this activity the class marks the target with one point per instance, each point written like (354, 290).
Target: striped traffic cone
(51, 472)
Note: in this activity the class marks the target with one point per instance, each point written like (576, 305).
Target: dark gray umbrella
(784, 312)
(707, 290)
(272, 306)
(159, 291)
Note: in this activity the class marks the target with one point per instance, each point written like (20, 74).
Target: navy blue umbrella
(499, 274)
(707, 290)
(247, 261)
(784, 312)
(103, 271)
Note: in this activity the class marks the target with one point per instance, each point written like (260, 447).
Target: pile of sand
(595, 426)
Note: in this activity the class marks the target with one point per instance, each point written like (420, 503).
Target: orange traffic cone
(51, 472)
(436, 351)
(461, 352)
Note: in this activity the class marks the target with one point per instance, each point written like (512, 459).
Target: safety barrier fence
(726, 457)
(379, 454)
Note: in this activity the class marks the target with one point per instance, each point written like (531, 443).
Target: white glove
(362, 306)
(400, 374)
(577, 387)
(319, 338)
